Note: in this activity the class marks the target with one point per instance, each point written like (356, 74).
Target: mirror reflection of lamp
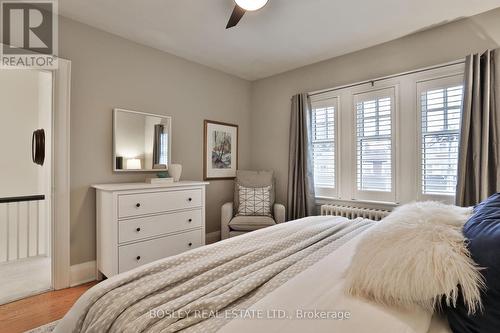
(134, 164)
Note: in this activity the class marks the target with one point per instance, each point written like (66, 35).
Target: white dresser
(138, 223)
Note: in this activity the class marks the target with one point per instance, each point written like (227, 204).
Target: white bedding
(319, 287)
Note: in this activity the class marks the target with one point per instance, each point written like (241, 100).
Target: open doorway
(26, 118)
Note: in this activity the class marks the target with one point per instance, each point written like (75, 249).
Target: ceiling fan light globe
(251, 5)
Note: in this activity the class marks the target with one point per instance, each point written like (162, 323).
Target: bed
(286, 278)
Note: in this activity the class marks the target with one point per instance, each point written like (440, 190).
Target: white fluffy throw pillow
(417, 256)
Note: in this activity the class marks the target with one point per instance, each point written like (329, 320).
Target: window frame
(406, 142)
(366, 95)
(324, 101)
(422, 86)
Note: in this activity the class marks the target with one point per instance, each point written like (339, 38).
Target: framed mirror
(141, 141)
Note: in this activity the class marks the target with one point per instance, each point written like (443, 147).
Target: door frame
(60, 194)
(60, 227)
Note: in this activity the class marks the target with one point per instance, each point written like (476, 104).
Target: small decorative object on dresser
(220, 158)
(175, 171)
(159, 180)
(138, 223)
(162, 177)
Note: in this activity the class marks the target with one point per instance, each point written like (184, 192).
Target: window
(374, 165)
(323, 146)
(440, 106)
(391, 141)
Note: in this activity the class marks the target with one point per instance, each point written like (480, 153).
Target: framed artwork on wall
(220, 150)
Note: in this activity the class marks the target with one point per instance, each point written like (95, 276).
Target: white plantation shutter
(323, 145)
(374, 145)
(390, 141)
(441, 109)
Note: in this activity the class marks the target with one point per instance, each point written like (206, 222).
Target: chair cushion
(482, 231)
(250, 223)
(247, 178)
(254, 201)
(237, 233)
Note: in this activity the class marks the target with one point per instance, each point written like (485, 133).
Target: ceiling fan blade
(236, 16)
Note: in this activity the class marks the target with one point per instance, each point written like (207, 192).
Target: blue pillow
(483, 233)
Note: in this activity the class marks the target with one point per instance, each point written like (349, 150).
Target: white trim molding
(61, 177)
(405, 136)
(83, 273)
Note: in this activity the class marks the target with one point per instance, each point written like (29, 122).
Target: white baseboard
(212, 237)
(82, 273)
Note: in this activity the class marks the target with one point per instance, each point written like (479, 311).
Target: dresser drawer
(144, 227)
(135, 255)
(157, 202)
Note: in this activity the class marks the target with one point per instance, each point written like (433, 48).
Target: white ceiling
(284, 35)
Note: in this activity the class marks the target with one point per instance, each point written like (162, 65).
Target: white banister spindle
(3, 232)
(18, 235)
(37, 228)
(6, 232)
(9, 237)
(28, 235)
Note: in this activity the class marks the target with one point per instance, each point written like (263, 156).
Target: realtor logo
(29, 33)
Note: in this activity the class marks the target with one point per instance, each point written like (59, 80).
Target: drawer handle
(190, 244)
(138, 258)
(190, 220)
(138, 205)
(190, 199)
(138, 229)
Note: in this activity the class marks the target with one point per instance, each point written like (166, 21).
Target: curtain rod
(456, 62)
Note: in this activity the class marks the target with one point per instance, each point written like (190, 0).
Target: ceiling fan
(241, 7)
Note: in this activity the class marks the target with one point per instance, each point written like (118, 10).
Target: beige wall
(109, 72)
(271, 96)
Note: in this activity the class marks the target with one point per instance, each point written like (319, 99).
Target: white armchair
(232, 225)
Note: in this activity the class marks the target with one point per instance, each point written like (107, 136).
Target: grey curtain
(479, 152)
(301, 198)
(157, 143)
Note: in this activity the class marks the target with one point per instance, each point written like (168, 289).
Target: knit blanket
(205, 288)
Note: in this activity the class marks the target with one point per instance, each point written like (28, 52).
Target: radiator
(354, 212)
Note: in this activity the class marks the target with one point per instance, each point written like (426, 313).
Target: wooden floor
(39, 310)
